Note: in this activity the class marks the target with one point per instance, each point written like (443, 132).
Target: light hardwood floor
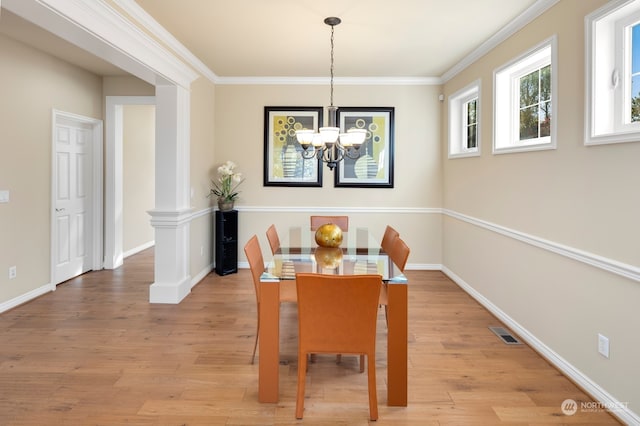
(95, 352)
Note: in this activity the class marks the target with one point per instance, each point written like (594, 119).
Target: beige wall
(126, 85)
(202, 163)
(240, 137)
(582, 198)
(32, 83)
(138, 174)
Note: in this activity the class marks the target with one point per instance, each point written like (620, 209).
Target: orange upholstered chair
(337, 314)
(256, 263)
(388, 238)
(274, 240)
(341, 221)
(399, 253)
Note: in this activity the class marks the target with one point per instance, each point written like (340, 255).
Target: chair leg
(302, 376)
(373, 395)
(362, 363)
(386, 314)
(255, 344)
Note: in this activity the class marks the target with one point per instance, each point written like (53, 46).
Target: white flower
(228, 182)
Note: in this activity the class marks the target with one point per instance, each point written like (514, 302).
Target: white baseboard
(423, 267)
(138, 249)
(621, 411)
(200, 276)
(24, 298)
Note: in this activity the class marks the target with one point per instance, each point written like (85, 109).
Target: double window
(524, 117)
(613, 73)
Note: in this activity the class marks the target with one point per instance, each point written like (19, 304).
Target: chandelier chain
(329, 145)
(332, 65)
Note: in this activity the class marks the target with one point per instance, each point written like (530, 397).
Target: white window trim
(605, 96)
(457, 121)
(506, 103)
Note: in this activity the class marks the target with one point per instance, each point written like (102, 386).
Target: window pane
(635, 100)
(545, 83)
(529, 122)
(471, 111)
(471, 137)
(529, 89)
(635, 50)
(545, 119)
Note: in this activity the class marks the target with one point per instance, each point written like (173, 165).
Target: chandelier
(328, 144)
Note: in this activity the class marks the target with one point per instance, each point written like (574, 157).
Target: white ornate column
(172, 213)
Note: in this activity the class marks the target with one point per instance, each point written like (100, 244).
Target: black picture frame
(283, 161)
(374, 167)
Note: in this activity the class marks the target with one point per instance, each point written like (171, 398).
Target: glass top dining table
(359, 253)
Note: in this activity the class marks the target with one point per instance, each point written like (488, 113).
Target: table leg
(269, 341)
(397, 341)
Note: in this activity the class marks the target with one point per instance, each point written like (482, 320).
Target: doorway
(113, 215)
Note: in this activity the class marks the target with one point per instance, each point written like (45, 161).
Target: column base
(170, 292)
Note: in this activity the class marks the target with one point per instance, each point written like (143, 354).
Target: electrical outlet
(201, 250)
(603, 345)
(13, 272)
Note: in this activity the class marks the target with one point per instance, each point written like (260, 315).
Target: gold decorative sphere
(329, 235)
(328, 257)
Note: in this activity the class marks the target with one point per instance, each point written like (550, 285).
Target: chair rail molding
(610, 265)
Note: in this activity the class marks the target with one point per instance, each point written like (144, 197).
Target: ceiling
(288, 38)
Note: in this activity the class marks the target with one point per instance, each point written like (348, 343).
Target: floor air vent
(505, 335)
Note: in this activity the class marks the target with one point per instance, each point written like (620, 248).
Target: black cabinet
(226, 238)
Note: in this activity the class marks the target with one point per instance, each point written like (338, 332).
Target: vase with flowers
(226, 186)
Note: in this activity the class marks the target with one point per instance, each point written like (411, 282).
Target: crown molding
(343, 81)
(537, 9)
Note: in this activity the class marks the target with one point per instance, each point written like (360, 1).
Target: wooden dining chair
(399, 253)
(337, 314)
(341, 221)
(274, 240)
(256, 263)
(389, 236)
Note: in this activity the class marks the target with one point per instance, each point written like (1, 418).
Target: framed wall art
(283, 161)
(374, 167)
